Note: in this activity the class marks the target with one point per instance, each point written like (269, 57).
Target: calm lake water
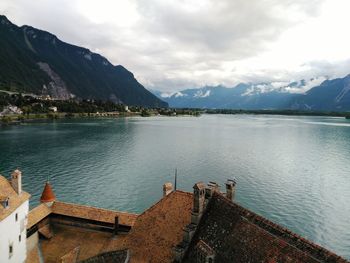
(293, 170)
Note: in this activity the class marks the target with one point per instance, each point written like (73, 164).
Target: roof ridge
(163, 198)
(268, 225)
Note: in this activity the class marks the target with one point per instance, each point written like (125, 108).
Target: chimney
(230, 189)
(211, 188)
(167, 189)
(16, 181)
(198, 202)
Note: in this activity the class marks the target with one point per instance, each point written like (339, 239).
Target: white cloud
(175, 44)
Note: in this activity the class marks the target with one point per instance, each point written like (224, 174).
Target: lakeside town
(17, 107)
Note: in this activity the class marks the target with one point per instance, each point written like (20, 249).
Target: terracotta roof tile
(93, 213)
(15, 200)
(159, 228)
(37, 214)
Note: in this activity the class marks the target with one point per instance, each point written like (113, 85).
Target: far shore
(13, 119)
(24, 118)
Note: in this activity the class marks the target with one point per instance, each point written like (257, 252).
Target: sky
(172, 45)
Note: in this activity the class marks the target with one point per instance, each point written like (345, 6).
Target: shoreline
(43, 117)
(18, 119)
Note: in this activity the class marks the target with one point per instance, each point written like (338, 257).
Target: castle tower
(230, 189)
(47, 196)
(16, 181)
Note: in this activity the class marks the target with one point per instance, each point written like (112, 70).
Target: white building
(14, 208)
(9, 110)
(53, 109)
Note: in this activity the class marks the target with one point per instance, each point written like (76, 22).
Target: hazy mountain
(330, 95)
(313, 94)
(36, 61)
(242, 96)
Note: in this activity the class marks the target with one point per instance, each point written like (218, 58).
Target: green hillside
(36, 61)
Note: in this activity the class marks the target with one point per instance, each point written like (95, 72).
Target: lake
(292, 170)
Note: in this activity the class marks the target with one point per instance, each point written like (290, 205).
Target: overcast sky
(176, 44)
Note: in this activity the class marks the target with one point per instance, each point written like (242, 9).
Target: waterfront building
(14, 208)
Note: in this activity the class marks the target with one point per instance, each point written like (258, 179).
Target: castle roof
(153, 233)
(15, 200)
(234, 232)
(93, 213)
(159, 229)
(48, 195)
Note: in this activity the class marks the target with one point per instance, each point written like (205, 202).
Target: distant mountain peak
(316, 93)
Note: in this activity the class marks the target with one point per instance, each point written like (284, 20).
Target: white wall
(9, 233)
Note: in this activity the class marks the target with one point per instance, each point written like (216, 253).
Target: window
(4, 201)
(19, 238)
(16, 217)
(10, 250)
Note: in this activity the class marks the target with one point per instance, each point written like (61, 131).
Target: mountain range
(36, 61)
(317, 94)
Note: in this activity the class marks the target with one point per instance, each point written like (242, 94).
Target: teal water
(293, 170)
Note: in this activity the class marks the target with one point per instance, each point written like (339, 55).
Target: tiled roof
(234, 232)
(3, 198)
(15, 200)
(109, 257)
(47, 195)
(37, 214)
(159, 228)
(93, 213)
(71, 256)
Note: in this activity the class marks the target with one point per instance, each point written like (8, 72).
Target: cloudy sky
(176, 44)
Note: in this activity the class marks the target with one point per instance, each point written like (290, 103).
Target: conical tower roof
(48, 195)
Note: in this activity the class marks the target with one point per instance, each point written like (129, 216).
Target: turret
(16, 181)
(48, 196)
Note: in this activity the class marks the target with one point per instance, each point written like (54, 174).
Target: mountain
(35, 61)
(314, 94)
(242, 96)
(331, 95)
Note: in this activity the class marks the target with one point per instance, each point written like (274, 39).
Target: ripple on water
(293, 170)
